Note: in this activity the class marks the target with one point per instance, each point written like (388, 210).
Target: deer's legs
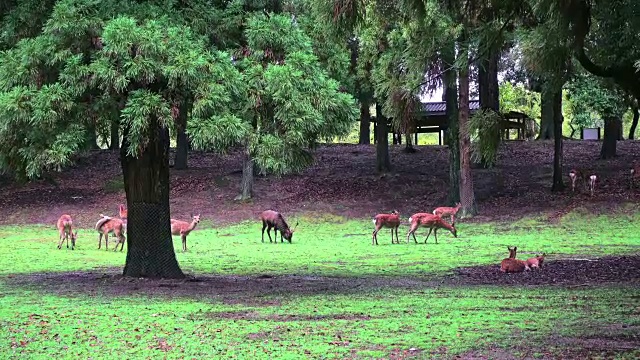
(99, 241)
(106, 241)
(184, 243)
(425, 240)
(264, 226)
(374, 240)
(269, 233)
(435, 234)
(60, 242)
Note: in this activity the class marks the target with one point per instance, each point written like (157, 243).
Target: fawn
(391, 221)
(108, 225)
(433, 222)
(65, 230)
(536, 262)
(183, 229)
(448, 211)
(273, 219)
(511, 264)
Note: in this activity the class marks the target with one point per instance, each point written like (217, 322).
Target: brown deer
(448, 211)
(273, 219)
(433, 222)
(391, 221)
(122, 210)
(183, 229)
(108, 225)
(536, 262)
(511, 264)
(65, 229)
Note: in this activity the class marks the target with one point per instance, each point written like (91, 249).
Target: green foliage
(518, 98)
(593, 99)
(486, 127)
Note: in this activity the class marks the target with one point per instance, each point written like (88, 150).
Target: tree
(467, 197)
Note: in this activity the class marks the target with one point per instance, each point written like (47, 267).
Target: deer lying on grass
(589, 181)
(536, 262)
(511, 264)
(433, 222)
(634, 174)
(448, 211)
(273, 219)
(108, 225)
(65, 230)
(391, 221)
(183, 229)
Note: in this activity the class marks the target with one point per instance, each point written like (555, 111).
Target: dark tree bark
(246, 187)
(182, 142)
(114, 143)
(150, 252)
(383, 164)
(558, 184)
(409, 144)
(365, 124)
(451, 99)
(467, 196)
(91, 141)
(488, 80)
(546, 121)
(634, 123)
(610, 141)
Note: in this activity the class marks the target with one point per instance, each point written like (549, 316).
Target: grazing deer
(592, 183)
(448, 211)
(183, 228)
(108, 225)
(634, 175)
(588, 181)
(391, 221)
(511, 264)
(433, 222)
(536, 262)
(573, 176)
(65, 230)
(273, 219)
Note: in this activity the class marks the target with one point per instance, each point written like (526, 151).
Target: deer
(391, 221)
(433, 222)
(448, 211)
(592, 183)
(122, 211)
(107, 225)
(634, 174)
(511, 264)
(273, 219)
(183, 228)
(65, 229)
(589, 181)
(536, 262)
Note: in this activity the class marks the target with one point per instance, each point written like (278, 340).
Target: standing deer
(536, 262)
(573, 176)
(65, 229)
(511, 264)
(183, 229)
(592, 183)
(108, 225)
(391, 221)
(448, 211)
(589, 181)
(273, 219)
(433, 222)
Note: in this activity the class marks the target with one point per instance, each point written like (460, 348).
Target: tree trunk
(365, 124)
(546, 121)
(92, 138)
(451, 99)
(611, 131)
(114, 143)
(182, 142)
(382, 147)
(467, 197)
(488, 81)
(246, 186)
(409, 144)
(558, 184)
(634, 124)
(150, 252)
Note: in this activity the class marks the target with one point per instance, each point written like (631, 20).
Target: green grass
(41, 319)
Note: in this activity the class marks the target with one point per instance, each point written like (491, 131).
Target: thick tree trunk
(451, 99)
(467, 196)
(383, 164)
(634, 123)
(365, 124)
(488, 81)
(611, 131)
(114, 143)
(182, 142)
(558, 184)
(150, 252)
(546, 120)
(246, 187)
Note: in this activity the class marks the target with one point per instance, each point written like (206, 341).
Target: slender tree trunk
(114, 143)
(546, 121)
(634, 123)
(246, 187)
(382, 147)
(365, 124)
(558, 184)
(451, 99)
(182, 142)
(611, 131)
(150, 252)
(467, 196)
(409, 144)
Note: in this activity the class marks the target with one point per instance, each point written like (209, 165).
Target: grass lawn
(330, 294)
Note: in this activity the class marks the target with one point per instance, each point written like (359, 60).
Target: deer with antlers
(273, 219)
(391, 221)
(65, 229)
(107, 225)
(433, 222)
(183, 228)
(448, 211)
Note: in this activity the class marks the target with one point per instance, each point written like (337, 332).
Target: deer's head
(512, 252)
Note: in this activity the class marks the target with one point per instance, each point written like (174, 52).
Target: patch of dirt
(342, 182)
